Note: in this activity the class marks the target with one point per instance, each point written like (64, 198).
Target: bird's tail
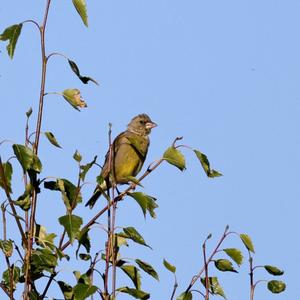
(96, 195)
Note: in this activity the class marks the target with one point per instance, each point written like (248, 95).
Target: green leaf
(214, 286)
(83, 278)
(213, 173)
(136, 145)
(62, 255)
(86, 277)
(84, 256)
(6, 181)
(84, 240)
(133, 180)
(27, 159)
(67, 290)
(138, 294)
(147, 268)
(16, 271)
(132, 234)
(175, 157)
(247, 242)
(11, 34)
(72, 224)
(24, 201)
(273, 270)
(77, 275)
(7, 247)
(146, 202)
(83, 291)
(51, 138)
(75, 69)
(185, 296)
(224, 265)
(151, 206)
(33, 295)
(44, 239)
(86, 168)
(77, 156)
(235, 255)
(74, 98)
(133, 273)
(43, 260)
(170, 267)
(71, 195)
(80, 6)
(120, 240)
(206, 165)
(29, 112)
(276, 286)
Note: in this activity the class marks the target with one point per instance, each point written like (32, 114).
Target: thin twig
(206, 271)
(257, 282)
(33, 22)
(62, 239)
(92, 268)
(108, 248)
(174, 288)
(114, 248)
(56, 54)
(43, 79)
(178, 138)
(11, 278)
(25, 176)
(11, 283)
(18, 250)
(251, 274)
(113, 219)
(6, 141)
(4, 222)
(2, 286)
(52, 277)
(36, 147)
(10, 201)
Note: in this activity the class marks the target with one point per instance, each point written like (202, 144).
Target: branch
(195, 278)
(206, 271)
(5, 290)
(118, 198)
(101, 212)
(36, 145)
(174, 288)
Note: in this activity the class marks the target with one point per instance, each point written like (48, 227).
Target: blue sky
(222, 74)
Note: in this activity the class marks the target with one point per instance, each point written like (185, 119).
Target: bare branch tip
(178, 138)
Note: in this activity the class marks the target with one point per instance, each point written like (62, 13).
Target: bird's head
(141, 124)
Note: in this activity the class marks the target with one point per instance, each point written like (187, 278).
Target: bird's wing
(139, 144)
(118, 141)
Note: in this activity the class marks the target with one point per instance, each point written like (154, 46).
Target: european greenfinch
(129, 150)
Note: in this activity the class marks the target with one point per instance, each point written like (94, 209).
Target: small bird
(129, 150)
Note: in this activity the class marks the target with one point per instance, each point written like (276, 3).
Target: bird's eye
(142, 122)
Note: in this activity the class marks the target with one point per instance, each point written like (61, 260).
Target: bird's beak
(150, 125)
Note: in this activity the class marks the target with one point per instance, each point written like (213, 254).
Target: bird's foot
(133, 186)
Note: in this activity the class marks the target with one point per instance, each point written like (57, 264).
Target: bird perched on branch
(128, 153)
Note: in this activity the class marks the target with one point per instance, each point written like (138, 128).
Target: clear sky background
(222, 74)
